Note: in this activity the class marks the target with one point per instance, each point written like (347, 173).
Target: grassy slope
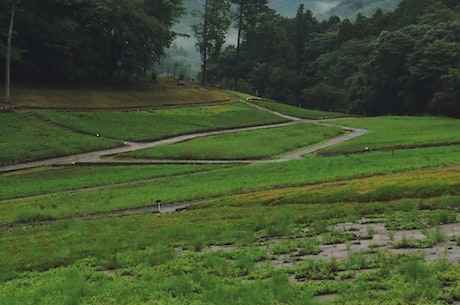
(25, 138)
(392, 132)
(124, 95)
(173, 259)
(257, 144)
(162, 123)
(298, 112)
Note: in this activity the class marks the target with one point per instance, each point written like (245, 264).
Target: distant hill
(289, 8)
(350, 8)
(320, 8)
(183, 50)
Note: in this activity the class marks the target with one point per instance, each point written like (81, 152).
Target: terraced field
(374, 220)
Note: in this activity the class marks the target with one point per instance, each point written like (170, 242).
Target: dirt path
(98, 157)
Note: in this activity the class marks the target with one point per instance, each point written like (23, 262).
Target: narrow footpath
(100, 157)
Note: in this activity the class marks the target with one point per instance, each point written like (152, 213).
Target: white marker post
(159, 206)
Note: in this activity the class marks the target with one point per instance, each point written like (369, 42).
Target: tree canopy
(402, 62)
(88, 39)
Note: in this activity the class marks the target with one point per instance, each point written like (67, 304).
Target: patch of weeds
(308, 247)
(371, 231)
(417, 243)
(404, 221)
(458, 240)
(437, 236)
(346, 275)
(316, 270)
(318, 227)
(373, 247)
(280, 225)
(440, 217)
(337, 237)
(284, 247)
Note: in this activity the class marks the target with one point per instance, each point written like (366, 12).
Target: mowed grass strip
(24, 138)
(147, 125)
(163, 93)
(297, 111)
(396, 132)
(58, 179)
(227, 181)
(256, 144)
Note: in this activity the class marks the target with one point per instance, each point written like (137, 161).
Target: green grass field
(297, 111)
(163, 123)
(400, 132)
(24, 138)
(257, 144)
(379, 227)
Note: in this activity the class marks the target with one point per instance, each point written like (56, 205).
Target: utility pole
(8, 57)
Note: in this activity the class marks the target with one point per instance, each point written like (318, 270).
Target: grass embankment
(23, 137)
(247, 145)
(297, 111)
(163, 93)
(392, 132)
(162, 123)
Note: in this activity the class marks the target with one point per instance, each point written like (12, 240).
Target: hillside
(350, 8)
(183, 49)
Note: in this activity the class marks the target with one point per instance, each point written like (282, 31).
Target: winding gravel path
(97, 157)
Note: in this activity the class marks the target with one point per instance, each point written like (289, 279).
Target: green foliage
(92, 39)
(401, 62)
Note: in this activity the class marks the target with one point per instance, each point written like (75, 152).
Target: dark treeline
(87, 39)
(403, 62)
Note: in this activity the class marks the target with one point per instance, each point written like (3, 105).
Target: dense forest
(402, 62)
(87, 39)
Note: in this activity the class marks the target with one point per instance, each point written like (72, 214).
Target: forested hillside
(350, 8)
(403, 62)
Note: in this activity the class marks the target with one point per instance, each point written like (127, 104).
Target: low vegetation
(162, 123)
(299, 112)
(129, 95)
(24, 137)
(379, 227)
(398, 132)
(256, 144)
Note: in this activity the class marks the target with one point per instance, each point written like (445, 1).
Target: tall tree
(81, 39)
(8, 55)
(210, 33)
(247, 14)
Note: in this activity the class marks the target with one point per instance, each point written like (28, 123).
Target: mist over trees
(402, 62)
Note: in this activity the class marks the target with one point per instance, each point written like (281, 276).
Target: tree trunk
(238, 48)
(8, 57)
(205, 44)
